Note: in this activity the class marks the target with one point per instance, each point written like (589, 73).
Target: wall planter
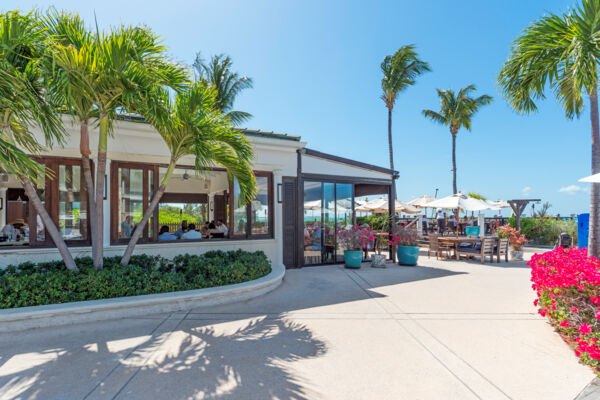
(352, 258)
(408, 255)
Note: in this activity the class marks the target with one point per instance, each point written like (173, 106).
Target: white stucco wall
(315, 165)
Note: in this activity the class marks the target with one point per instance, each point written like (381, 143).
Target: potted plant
(405, 238)
(378, 260)
(353, 240)
(516, 239)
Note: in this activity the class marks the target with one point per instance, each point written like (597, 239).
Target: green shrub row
(545, 230)
(30, 284)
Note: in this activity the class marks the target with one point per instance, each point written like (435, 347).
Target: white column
(481, 224)
(3, 211)
(278, 215)
(211, 206)
(106, 205)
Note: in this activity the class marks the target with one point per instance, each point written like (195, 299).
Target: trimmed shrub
(545, 231)
(30, 284)
(567, 283)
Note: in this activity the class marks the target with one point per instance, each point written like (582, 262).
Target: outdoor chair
(502, 249)
(436, 247)
(485, 249)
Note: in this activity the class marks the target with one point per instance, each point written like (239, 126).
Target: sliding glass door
(328, 207)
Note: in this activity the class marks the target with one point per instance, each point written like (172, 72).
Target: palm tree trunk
(392, 199)
(454, 163)
(149, 211)
(84, 148)
(49, 224)
(100, 172)
(593, 245)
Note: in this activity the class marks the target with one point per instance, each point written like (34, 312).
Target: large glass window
(72, 203)
(131, 200)
(343, 212)
(206, 200)
(259, 213)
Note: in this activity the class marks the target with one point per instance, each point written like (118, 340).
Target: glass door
(328, 207)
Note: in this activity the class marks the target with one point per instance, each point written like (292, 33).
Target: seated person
(212, 229)
(164, 234)
(126, 227)
(205, 229)
(184, 227)
(192, 233)
(221, 227)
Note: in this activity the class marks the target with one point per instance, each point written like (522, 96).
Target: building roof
(347, 161)
(250, 132)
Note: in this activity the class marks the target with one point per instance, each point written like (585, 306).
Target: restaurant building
(303, 196)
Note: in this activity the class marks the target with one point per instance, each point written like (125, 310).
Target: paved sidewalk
(443, 330)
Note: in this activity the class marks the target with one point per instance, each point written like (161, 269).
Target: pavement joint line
(149, 355)
(370, 286)
(118, 364)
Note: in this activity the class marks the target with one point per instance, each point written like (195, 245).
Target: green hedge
(545, 230)
(30, 284)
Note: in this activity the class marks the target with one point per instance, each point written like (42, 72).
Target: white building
(302, 196)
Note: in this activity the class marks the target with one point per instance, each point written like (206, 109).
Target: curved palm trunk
(100, 172)
(84, 149)
(454, 163)
(593, 245)
(149, 211)
(49, 224)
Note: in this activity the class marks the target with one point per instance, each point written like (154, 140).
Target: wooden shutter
(220, 207)
(289, 223)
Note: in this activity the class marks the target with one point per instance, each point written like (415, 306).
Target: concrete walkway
(443, 330)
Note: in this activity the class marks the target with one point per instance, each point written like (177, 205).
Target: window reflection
(131, 190)
(72, 205)
(260, 207)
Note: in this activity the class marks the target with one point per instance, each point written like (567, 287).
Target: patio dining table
(455, 241)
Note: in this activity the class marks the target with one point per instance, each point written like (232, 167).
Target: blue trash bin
(583, 229)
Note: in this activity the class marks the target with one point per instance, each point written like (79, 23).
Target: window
(72, 203)
(206, 200)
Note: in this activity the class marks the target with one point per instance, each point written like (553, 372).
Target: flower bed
(567, 283)
(30, 284)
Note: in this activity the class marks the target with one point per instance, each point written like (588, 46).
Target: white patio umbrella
(421, 202)
(462, 201)
(312, 205)
(381, 205)
(592, 178)
(497, 204)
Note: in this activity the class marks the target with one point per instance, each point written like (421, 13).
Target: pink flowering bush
(355, 238)
(567, 283)
(515, 237)
(404, 236)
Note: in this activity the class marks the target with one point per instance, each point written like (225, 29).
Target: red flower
(585, 329)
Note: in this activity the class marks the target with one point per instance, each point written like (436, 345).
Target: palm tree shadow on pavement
(226, 358)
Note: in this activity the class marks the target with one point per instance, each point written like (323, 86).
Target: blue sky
(315, 66)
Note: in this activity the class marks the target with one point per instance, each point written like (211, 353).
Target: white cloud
(526, 191)
(572, 189)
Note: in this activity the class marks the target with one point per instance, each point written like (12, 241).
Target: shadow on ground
(246, 362)
(235, 351)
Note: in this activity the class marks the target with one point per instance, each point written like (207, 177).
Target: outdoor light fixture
(279, 194)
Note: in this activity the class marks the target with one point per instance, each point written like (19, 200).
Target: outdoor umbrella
(460, 200)
(421, 202)
(381, 205)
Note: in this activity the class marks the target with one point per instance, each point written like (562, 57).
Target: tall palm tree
(456, 112)
(24, 102)
(98, 74)
(191, 125)
(400, 71)
(227, 83)
(560, 53)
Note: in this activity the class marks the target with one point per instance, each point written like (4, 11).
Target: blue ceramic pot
(352, 258)
(408, 255)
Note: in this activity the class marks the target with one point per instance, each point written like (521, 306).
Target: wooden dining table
(455, 241)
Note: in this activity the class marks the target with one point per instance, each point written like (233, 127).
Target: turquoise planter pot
(352, 258)
(408, 255)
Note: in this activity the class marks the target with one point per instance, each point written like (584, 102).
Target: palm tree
(191, 125)
(560, 53)
(456, 112)
(95, 76)
(228, 84)
(24, 102)
(399, 72)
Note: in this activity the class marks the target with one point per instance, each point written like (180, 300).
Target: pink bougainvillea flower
(574, 309)
(598, 315)
(565, 323)
(595, 355)
(585, 329)
(577, 353)
(595, 300)
(535, 302)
